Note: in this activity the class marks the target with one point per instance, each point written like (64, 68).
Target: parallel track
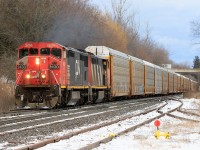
(96, 127)
(28, 122)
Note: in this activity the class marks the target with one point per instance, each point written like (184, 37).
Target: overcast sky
(169, 22)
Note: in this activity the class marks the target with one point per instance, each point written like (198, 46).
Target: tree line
(76, 23)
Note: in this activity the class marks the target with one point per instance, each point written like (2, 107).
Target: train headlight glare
(43, 76)
(37, 61)
(28, 76)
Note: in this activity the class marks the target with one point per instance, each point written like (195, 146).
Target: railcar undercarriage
(54, 97)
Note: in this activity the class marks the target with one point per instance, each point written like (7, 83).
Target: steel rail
(63, 120)
(109, 138)
(95, 127)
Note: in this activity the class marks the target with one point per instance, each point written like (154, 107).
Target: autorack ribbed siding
(165, 82)
(137, 77)
(149, 79)
(158, 80)
(145, 78)
(175, 83)
(121, 76)
(170, 81)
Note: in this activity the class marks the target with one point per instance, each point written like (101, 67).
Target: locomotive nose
(37, 71)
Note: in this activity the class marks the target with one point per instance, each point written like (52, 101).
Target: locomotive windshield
(56, 52)
(33, 51)
(23, 52)
(45, 51)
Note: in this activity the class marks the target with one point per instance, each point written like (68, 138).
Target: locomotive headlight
(28, 76)
(43, 76)
(37, 61)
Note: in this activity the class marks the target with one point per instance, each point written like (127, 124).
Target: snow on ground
(142, 138)
(170, 105)
(184, 134)
(100, 133)
(191, 103)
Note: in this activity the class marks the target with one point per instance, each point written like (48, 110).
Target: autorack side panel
(182, 83)
(175, 83)
(119, 66)
(149, 78)
(179, 83)
(170, 82)
(158, 80)
(120, 76)
(165, 82)
(186, 84)
(137, 76)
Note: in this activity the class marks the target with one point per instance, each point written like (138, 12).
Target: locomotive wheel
(53, 102)
(46, 104)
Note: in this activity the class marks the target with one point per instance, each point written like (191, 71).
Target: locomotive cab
(39, 74)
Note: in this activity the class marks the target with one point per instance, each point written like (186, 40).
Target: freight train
(52, 75)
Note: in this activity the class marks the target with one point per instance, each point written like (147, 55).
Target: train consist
(51, 75)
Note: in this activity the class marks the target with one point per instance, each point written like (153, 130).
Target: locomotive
(50, 75)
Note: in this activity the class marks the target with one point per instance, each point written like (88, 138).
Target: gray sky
(169, 22)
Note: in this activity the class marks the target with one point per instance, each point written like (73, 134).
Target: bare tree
(195, 29)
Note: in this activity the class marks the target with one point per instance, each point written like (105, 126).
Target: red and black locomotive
(50, 75)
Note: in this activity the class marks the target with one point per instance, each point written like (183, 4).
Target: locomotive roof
(80, 51)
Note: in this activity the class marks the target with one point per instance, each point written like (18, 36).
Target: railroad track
(19, 123)
(14, 129)
(24, 124)
(159, 110)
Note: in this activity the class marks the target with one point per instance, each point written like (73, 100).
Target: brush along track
(101, 126)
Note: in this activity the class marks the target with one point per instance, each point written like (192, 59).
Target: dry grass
(6, 97)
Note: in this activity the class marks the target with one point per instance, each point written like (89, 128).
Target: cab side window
(56, 52)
